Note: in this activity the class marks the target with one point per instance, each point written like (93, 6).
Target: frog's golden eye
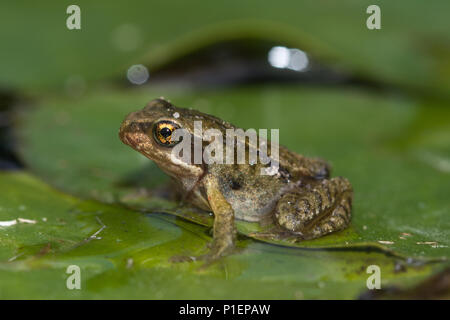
(163, 133)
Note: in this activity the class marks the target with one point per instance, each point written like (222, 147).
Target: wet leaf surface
(129, 258)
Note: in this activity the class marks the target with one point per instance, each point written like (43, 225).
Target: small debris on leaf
(385, 242)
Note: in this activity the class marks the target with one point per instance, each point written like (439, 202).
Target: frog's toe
(214, 253)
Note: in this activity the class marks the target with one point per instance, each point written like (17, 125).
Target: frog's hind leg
(317, 211)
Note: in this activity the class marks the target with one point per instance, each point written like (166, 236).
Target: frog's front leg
(224, 228)
(312, 212)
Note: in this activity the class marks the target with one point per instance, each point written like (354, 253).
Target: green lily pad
(386, 146)
(411, 49)
(125, 254)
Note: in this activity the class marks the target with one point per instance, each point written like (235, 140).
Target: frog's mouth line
(133, 138)
(135, 142)
(123, 136)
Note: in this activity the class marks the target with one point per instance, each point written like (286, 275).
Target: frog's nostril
(130, 132)
(133, 116)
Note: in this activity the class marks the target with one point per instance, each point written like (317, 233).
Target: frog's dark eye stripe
(163, 133)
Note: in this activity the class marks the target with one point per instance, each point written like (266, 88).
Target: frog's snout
(133, 131)
(127, 128)
(124, 133)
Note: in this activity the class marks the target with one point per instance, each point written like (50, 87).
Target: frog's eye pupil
(165, 132)
(162, 133)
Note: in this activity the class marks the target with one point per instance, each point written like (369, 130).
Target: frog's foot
(219, 249)
(215, 252)
(323, 209)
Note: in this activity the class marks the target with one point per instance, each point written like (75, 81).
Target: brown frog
(299, 200)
